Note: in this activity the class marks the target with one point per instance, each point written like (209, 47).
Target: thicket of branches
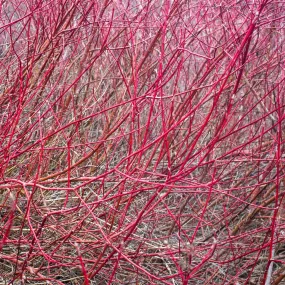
(142, 142)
